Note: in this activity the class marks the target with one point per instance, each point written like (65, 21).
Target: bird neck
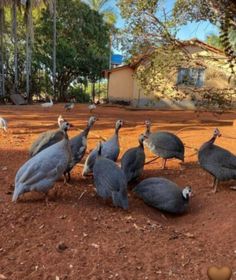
(141, 144)
(117, 130)
(212, 140)
(86, 130)
(148, 131)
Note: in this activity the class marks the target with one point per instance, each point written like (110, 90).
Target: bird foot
(68, 184)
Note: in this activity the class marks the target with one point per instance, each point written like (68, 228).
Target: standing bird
(164, 144)
(220, 163)
(48, 138)
(41, 171)
(164, 194)
(110, 149)
(3, 124)
(133, 160)
(47, 104)
(91, 107)
(78, 146)
(69, 106)
(110, 180)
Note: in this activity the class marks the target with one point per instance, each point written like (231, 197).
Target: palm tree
(3, 3)
(15, 3)
(110, 18)
(54, 13)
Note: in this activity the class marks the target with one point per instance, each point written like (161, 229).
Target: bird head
(142, 137)
(92, 120)
(148, 123)
(187, 192)
(216, 132)
(119, 124)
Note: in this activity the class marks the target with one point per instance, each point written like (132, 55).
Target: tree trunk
(2, 74)
(15, 40)
(93, 91)
(54, 46)
(28, 47)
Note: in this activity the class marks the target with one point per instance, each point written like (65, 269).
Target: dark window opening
(191, 77)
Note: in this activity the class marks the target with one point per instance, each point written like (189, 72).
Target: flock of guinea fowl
(53, 155)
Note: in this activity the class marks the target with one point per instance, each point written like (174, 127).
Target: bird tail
(17, 192)
(120, 199)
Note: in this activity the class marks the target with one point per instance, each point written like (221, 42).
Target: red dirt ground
(105, 242)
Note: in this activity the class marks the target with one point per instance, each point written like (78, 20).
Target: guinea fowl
(164, 194)
(110, 150)
(3, 124)
(78, 146)
(132, 162)
(69, 106)
(110, 180)
(41, 171)
(220, 163)
(48, 138)
(164, 144)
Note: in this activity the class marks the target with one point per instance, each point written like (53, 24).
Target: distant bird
(47, 104)
(91, 107)
(220, 163)
(132, 162)
(3, 124)
(41, 171)
(110, 149)
(110, 180)
(164, 194)
(48, 138)
(164, 144)
(69, 106)
(78, 146)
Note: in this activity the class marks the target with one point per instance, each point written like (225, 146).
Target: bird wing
(46, 140)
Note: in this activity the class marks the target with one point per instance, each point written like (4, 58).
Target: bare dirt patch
(78, 236)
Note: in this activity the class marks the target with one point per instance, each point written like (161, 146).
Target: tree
(214, 40)
(82, 44)
(3, 3)
(219, 12)
(99, 6)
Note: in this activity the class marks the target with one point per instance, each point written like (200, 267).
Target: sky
(198, 30)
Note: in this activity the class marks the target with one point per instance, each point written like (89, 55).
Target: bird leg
(215, 185)
(66, 180)
(46, 198)
(164, 163)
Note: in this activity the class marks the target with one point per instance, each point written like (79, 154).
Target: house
(205, 69)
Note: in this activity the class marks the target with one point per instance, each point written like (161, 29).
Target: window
(191, 76)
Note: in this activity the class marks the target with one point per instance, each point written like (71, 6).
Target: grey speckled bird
(41, 171)
(220, 163)
(110, 180)
(110, 150)
(3, 124)
(78, 146)
(48, 138)
(164, 194)
(133, 160)
(164, 144)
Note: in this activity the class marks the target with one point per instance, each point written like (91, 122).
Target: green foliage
(79, 94)
(82, 44)
(155, 75)
(214, 40)
(147, 24)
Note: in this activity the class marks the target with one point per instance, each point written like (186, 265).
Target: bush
(78, 94)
